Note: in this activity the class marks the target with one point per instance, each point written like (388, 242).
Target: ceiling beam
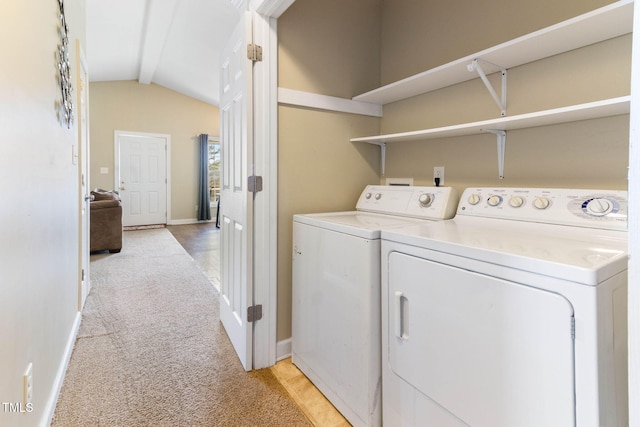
(158, 19)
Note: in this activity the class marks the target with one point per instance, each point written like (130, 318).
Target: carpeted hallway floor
(152, 352)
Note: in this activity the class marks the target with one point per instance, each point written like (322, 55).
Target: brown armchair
(105, 221)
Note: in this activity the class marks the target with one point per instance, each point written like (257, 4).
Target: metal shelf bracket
(501, 137)
(383, 155)
(500, 101)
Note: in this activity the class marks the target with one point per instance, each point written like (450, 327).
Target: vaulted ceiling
(173, 43)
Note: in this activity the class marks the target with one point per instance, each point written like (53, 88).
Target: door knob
(89, 198)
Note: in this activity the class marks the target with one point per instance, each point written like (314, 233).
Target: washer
(514, 313)
(336, 292)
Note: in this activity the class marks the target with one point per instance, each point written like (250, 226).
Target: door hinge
(83, 275)
(254, 52)
(254, 313)
(254, 184)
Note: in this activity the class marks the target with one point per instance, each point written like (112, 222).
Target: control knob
(494, 200)
(516, 201)
(378, 196)
(599, 207)
(425, 199)
(541, 203)
(473, 199)
(367, 196)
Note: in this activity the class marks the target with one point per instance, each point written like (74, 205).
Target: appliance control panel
(604, 209)
(410, 201)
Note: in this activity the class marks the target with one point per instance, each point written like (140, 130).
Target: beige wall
(331, 48)
(420, 35)
(130, 106)
(367, 43)
(591, 154)
(40, 204)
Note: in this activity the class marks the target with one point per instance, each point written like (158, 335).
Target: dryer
(336, 292)
(514, 313)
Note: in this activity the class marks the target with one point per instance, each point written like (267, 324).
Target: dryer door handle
(401, 315)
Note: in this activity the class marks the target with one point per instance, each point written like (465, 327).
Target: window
(214, 171)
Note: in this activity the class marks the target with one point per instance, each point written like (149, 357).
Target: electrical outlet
(438, 172)
(28, 386)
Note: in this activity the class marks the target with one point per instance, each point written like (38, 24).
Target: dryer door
(490, 352)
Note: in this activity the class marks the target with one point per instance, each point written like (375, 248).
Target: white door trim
(634, 229)
(266, 208)
(271, 8)
(116, 161)
(81, 157)
(265, 94)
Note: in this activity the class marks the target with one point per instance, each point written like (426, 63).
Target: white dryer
(336, 292)
(514, 313)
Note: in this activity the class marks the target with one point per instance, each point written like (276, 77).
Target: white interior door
(236, 202)
(141, 177)
(83, 168)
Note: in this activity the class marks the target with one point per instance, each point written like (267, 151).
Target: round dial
(367, 196)
(541, 203)
(425, 199)
(494, 200)
(473, 199)
(516, 201)
(378, 196)
(599, 207)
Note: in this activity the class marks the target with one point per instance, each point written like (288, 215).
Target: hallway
(202, 242)
(151, 350)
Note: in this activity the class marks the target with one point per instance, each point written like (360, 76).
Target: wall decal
(65, 109)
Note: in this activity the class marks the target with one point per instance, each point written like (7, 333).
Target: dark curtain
(204, 208)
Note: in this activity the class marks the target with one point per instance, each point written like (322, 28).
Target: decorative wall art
(65, 109)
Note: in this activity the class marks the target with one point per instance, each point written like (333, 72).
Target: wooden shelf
(599, 25)
(573, 113)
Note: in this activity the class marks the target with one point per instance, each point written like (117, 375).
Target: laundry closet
(350, 48)
(346, 50)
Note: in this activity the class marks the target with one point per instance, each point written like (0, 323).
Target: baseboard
(283, 349)
(186, 221)
(50, 407)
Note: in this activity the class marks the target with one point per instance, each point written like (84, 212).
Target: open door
(236, 201)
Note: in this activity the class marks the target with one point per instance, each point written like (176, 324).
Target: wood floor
(202, 242)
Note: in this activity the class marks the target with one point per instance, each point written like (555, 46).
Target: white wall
(39, 208)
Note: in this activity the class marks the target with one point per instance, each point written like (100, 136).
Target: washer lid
(361, 224)
(576, 254)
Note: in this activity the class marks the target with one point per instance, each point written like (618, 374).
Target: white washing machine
(336, 292)
(514, 313)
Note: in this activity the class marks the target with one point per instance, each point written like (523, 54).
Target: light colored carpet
(151, 350)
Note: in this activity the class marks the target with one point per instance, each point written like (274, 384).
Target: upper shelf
(591, 110)
(599, 25)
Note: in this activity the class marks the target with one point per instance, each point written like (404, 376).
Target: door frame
(81, 157)
(265, 104)
(116, 161)
(634, 227)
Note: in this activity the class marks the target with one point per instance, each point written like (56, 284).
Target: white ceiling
(173, 43)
